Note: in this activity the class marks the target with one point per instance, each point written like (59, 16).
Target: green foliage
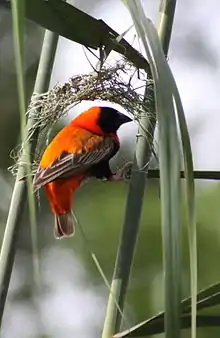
(99, 226)
(68, 21)
(23, 187)
(144, 295)
(169, 160)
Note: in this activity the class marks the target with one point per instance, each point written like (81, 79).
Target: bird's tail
(64, 225)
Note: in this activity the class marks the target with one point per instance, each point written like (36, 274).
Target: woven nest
(112, 83)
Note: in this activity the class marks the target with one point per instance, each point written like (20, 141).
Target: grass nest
(113, 83)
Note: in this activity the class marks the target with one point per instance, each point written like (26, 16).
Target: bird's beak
(124, 118)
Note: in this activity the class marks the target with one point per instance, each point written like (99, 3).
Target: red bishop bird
(80, 150)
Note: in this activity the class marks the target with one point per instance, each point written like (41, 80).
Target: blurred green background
(74, 298)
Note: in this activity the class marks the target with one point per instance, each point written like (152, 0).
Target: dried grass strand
(113, 83)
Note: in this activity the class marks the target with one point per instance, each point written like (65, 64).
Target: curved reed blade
(168, 103)
(169, 158)
(170, 188)
(148, 328)
(20, 188)
(72, 23)
(18, 16)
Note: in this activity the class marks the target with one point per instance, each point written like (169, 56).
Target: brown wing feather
(68, 164)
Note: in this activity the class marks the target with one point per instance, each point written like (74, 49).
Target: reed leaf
(149, 328)
(72, 23)
(18, 15)
(131, 225)
(169, 171)
(167, 9)
(131, 222)
(197, 174)
(18, 10)
(19, 195)
(169, 159)
(190, 200)
(206, 298)
(188, 162)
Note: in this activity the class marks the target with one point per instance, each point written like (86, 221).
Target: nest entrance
(119, 84)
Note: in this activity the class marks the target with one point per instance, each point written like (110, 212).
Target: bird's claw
(117, 176)
(126, 171)
(123, 173)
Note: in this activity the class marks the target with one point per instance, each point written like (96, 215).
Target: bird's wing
(94, 150)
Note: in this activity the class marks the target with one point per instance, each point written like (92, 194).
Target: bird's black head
(110, 119)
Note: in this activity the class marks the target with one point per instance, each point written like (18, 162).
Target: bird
(81, 150)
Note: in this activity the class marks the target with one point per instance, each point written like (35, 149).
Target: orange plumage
(80, 150)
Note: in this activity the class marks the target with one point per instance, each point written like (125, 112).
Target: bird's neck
(94, 128)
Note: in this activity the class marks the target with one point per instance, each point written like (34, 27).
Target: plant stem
(167, 10)
(19, 195)
(136, 193)
(132, 218)
(197, 174)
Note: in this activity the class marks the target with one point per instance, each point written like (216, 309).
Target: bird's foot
(116, 177)
(123, 173)
(126, 171)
